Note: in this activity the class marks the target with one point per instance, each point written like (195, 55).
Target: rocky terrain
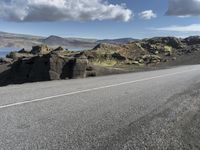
(150, 52)
(43, 63)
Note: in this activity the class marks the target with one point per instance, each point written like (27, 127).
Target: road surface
(146, 110)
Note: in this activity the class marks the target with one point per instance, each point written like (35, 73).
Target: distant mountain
(117, 41)
(18, 40)
(17, 35)
(54, 40)
(69, 42)
(27, 41)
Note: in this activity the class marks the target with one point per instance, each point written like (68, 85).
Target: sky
(101, 19)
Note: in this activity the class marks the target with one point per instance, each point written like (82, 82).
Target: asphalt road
(146, 110)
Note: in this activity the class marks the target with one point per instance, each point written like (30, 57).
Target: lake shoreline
(6, 50)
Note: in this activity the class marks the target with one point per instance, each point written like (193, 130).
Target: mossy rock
(40, 49)
(12, 55)
(168, 50)
(151, 59)
(105, 63)
(141, 61)
(135, 63)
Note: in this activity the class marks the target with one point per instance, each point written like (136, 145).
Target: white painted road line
(93, 89)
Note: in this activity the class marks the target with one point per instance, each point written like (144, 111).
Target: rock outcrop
(145, 52)
(43, 66)
(192, 40)
(170, 41)
(41, 49)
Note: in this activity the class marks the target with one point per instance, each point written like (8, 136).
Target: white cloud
(188, 28)
(147, 15)
(53, 10)
(184, 8)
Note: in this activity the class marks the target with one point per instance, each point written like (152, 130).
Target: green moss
(168, 50)
(11, 55)
(104, 62)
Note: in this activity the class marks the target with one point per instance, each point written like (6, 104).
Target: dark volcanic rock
(118, 56)
(171, 41)
(59, 49)
(192, 40)
(23, 51)
(45, 67)
(79, 66)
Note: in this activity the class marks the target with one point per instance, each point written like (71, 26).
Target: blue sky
(148, 18)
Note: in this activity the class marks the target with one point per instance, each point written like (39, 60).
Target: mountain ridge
(16, 40)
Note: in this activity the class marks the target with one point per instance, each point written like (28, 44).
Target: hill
(117, 41)
(27, 41)
(18, 40)
(13, 40)
(55, 41)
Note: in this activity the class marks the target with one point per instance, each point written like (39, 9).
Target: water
(6, 50)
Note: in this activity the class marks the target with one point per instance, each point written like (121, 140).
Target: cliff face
(44, 64)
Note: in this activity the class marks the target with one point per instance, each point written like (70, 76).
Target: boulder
(23, 51)
(148, 59)
(170, 41)
(59, 49)
(40, 50)
(18, 55)
(118, 57)
(192, 40)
